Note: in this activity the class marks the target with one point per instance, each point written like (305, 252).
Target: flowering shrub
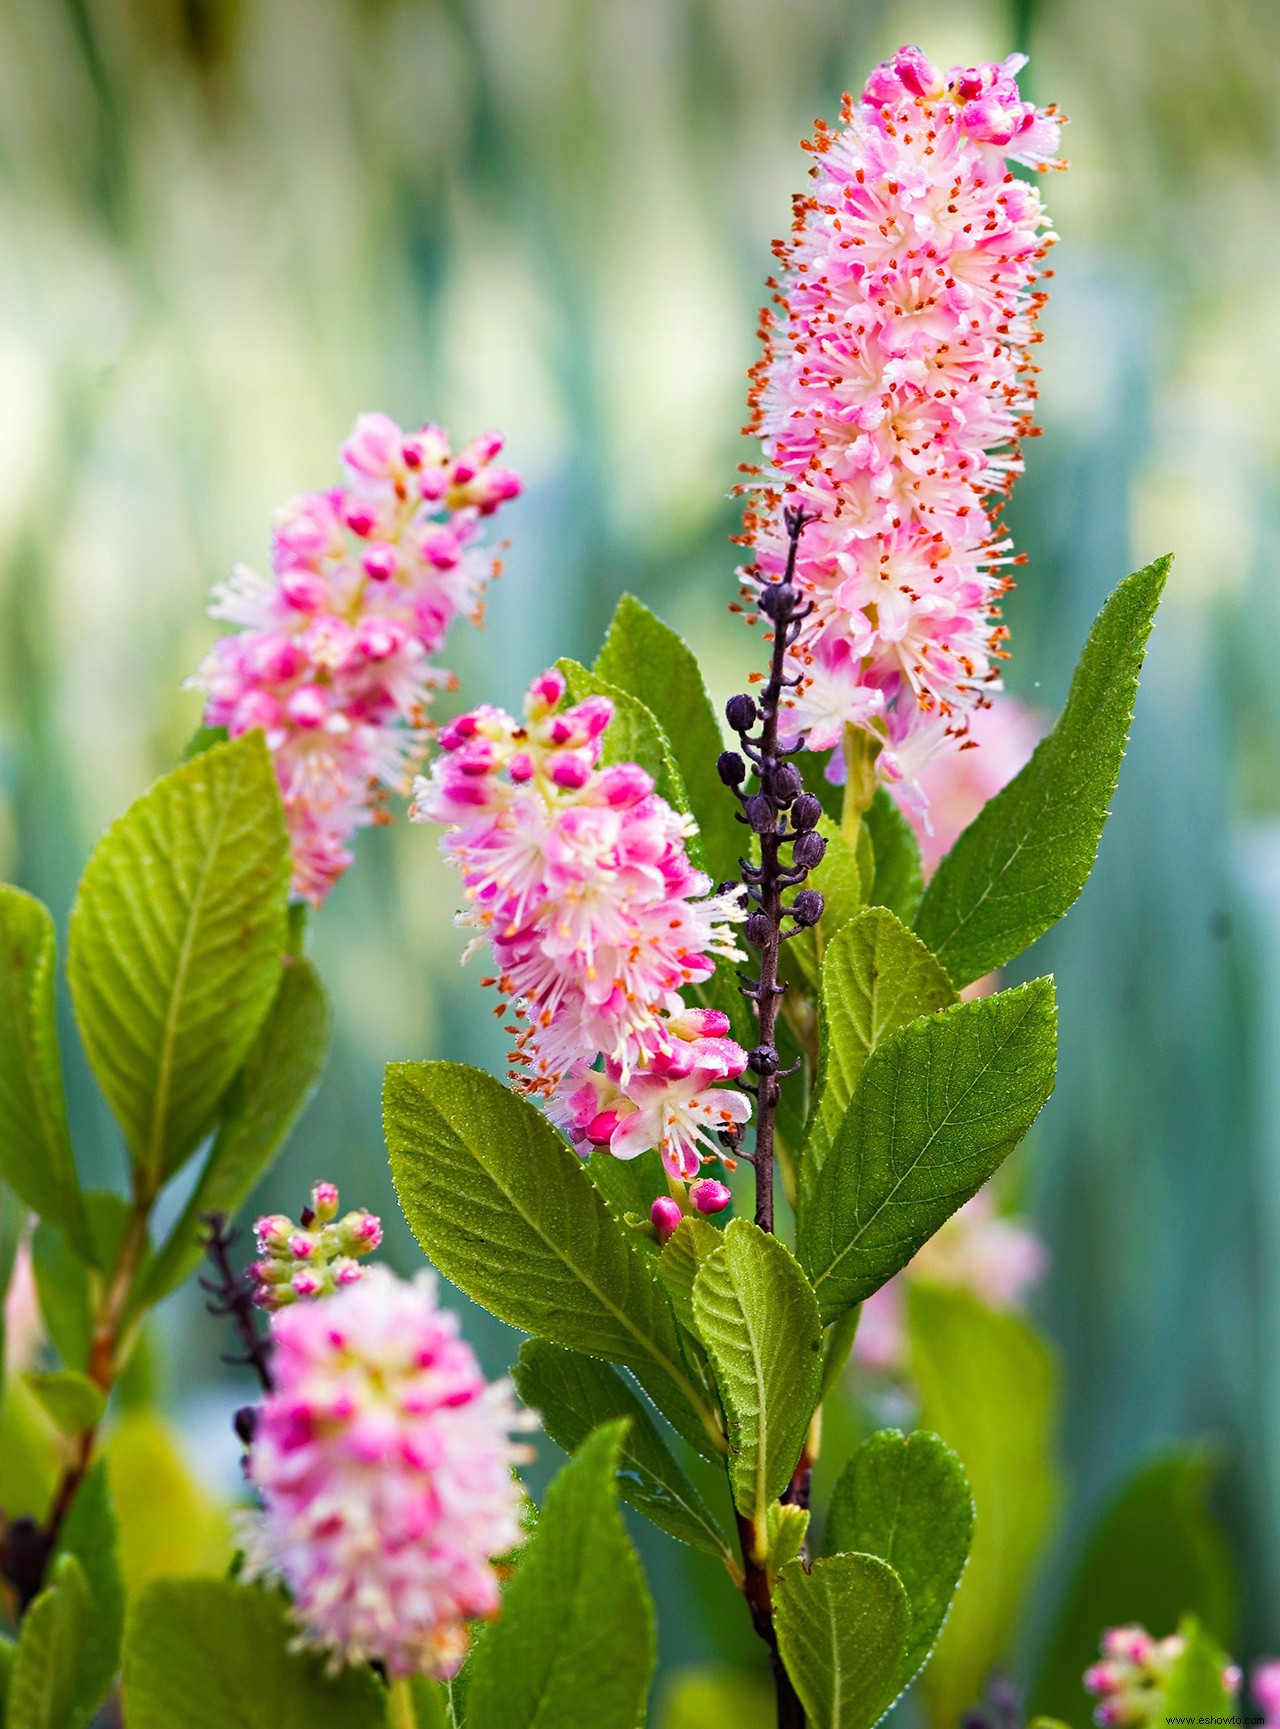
(718, 953)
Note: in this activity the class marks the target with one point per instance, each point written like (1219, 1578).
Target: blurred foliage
(228, 225)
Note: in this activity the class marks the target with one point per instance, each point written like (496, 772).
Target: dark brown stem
(231, 1295)
(755, 1588)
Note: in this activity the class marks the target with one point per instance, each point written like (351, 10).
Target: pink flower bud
(693, 1024)
(380, 562)
(307, 707)
(273, 1231)
(360, 518)
(544, 695)
(665, 1215)
(623, 784)
(570, 771)
(917, 72)
(302, 1245)
(306, 1283)
(601, 1127)
(440, 547)
(374, 447)
(324, 1202)
(304, 591)
(709, 1196)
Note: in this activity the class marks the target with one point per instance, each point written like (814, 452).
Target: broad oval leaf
(876, 977)
(206, 1653)
(939, 1105)
(44, 1684)
(175, 947)
(758, 1319)
(576, 1630)
(989, 1387)
(842, 1629)
(646, 658)
(1027, 854)
(35, 1149)
(504, 1208)
(576, 1394)
(906, 1499)
(74, 1402)
(266, 1099)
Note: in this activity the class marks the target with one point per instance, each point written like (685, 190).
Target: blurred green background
(227, 226)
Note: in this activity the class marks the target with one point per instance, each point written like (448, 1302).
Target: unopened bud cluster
(1130, 1681)
(707, 1196)
(313, 1257)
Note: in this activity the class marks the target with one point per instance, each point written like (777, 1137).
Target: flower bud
(777, 600)
(741, 712)
(787, 784)
(763, 1060)
(665, 1215)
(709, 1196)
(324, 1202)
(758, 929)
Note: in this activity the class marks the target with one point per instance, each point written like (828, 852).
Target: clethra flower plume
(893, 391)
(384, 1466)
(332, 657)
(1129, 1683)
(578, 878)
(313, 1257)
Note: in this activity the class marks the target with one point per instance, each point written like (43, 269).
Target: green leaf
(1195, 1690)
(842, 1629)
(758, 1319)
(677, 1265)
(206, 1653)
(646, 658)
(35, 1148)
(430, 1704)
(634, 735)
(503, 1207)
(786, 1527)
(905, 1498)
(938, 1107)
(1027, 854)
(266, 1099)
(202, 739)
(89, 1533)
(576, 1394)
(45, 1684)
(62, 1285)
(840, 881)
(989, 1387)
(837, 1343)
(577, 1623)
(876, 977)
(629, 1185)
(8, 1652)
(73, 1401)
(898, 881)
(1155, 1552)
(175, 947)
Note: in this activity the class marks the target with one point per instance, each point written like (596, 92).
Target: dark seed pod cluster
(783, 817)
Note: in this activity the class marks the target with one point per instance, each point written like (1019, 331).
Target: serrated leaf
(898, 879)
(759, 1321)
(89, 1533)
(51, 1647)
(206, 1653)
(841, 1630)
(635, 735)
(906, 1499)
(939, 1105)
(503, 1207)
(576, 1394)
(175, 946)
(629, 1185)
(989, 1387)
(877, 976)
(266, 1099)
(646, 658)
(577, 1623)
(677, 1265)
(786, 1527)
(1195, 1691)
(1026, 856)
(1156, 1549)
(839, 879)
(62, 1285)
(35, 1147)
(73, 1401)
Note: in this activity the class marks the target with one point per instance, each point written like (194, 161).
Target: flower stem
(404, 1713)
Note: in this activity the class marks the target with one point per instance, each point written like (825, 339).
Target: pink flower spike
(383, 1463)
(710, 1196)
(665, 1215)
